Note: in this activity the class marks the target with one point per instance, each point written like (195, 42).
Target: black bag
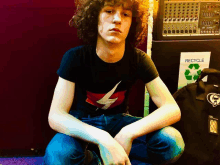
(199, 103)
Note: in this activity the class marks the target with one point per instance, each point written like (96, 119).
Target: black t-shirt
(104, 87)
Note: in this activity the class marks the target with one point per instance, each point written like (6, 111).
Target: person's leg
(159, 147)
(64, 149)
(164, 146)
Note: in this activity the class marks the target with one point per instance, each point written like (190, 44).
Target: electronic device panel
(188, 19)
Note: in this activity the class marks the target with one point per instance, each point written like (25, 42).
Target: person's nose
(117, 17)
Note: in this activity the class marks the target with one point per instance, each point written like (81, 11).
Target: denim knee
(63, 150)
(167, 146)
(177, 144)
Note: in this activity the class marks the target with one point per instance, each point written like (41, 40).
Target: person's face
(114, 23)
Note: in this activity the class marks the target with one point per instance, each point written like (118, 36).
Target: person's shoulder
(134, 50)
(77, 49)
(140, 52)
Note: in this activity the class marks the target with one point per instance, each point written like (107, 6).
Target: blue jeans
(159, 147)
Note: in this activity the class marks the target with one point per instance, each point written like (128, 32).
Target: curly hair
(86, 16)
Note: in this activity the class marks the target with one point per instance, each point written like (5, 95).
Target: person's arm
(61, 121)
(168, 111)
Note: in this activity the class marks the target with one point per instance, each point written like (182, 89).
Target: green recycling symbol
(193, 72)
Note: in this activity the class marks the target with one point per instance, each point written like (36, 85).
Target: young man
(102, 74)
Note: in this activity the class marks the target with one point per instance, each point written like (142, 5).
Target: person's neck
(110, 52)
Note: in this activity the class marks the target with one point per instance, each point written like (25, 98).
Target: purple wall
(34, 37)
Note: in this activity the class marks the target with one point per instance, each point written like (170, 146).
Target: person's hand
(112, 152)
(125, 140)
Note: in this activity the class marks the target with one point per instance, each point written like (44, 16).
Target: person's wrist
(128, 132)
(104, 137)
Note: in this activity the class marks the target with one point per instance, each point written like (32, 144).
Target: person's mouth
(116, 30)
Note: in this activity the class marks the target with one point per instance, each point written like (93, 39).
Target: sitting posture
(101, 73)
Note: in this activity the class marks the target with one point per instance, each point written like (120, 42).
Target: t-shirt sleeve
(70, 64)
(147, 70)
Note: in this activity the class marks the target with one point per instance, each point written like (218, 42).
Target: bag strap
(200, 83)
(208, 71)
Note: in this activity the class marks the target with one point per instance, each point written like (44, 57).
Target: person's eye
(108, 11)
(126, 14)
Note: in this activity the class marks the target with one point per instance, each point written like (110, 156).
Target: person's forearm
(69, 125)
(162, 117)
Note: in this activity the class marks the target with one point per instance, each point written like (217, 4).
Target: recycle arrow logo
(193, 72)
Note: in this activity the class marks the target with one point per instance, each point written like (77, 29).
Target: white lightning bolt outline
(106, 101)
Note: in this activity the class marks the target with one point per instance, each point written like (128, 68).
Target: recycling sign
(191, 66)
(192, 72)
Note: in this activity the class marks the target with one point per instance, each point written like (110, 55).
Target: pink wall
(34, 36)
